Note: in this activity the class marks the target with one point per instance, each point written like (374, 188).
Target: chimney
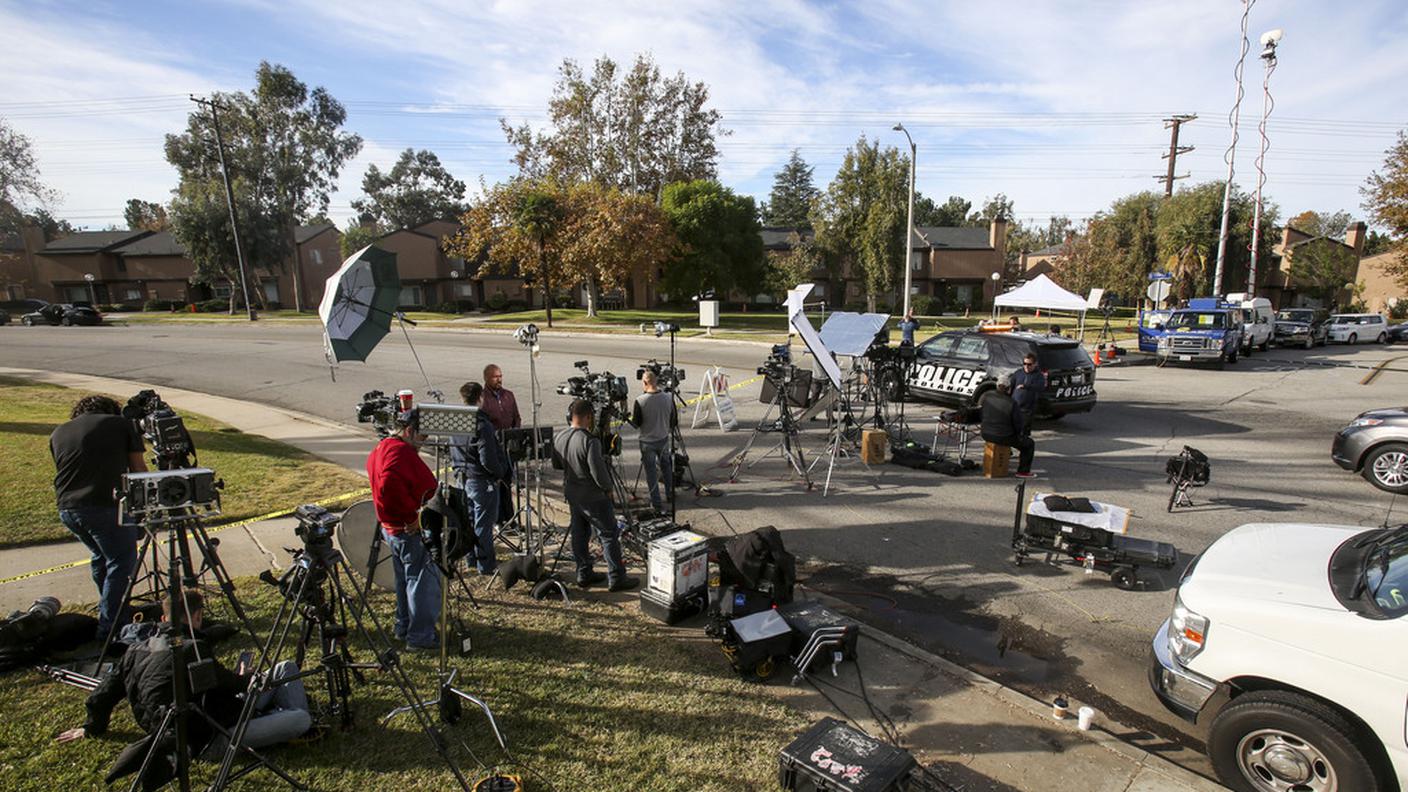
(1022, 262)
(997, 237)
(1354, 237)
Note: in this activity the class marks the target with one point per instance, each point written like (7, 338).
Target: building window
(464, 289)
(221, 291)
(317, 256)
(410, 295)
(271, 291)
(75, 294)
(131, 295)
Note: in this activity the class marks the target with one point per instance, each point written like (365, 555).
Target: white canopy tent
(1042, 292)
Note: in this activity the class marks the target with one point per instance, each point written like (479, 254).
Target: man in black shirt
(91, 452)
(482, 465)
(587, 486)
(1002, 425)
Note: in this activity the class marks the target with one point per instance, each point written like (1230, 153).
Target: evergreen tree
(793, 194)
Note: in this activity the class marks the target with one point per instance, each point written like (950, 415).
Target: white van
(1290, 639)
(1258, 321)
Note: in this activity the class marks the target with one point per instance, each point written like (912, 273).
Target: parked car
(1303, 327)
(1287, 637)
(1208, 330)
(4, 316)
(1375, 445)
(1357, 328)
(63, 314)
(1398, 333)
(1258, 322)
(22, 307)
(960, 367)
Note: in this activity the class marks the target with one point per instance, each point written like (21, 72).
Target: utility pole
(1174, 150)
(214, 106)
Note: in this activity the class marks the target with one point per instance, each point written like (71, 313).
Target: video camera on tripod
(162, 428)
(778, 365)
(667, 377)
(380, 410)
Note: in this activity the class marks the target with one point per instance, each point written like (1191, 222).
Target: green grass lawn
(591, 695)
(261, 475)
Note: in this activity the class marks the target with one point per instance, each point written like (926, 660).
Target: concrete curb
(1035, 707)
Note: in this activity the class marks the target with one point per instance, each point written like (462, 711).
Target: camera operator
(1002, 425)
(483, 466)
(586, 483)
(655, 416)
(401, 483)
(498, 401)
(144, 677)
(91, 452)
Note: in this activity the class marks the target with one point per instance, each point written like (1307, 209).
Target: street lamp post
(909, 226)
(92, 293)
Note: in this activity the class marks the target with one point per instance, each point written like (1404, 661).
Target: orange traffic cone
(1096, 357)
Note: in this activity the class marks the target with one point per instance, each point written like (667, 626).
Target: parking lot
(924, 555)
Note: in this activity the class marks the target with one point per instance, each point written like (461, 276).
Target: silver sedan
(1375, 445)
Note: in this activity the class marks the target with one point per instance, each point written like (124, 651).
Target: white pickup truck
(1293, 639)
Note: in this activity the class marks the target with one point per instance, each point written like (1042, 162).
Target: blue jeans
(114, 549)
(417, 589)
(484, 506)
(280, 715)
(655, 458)
(596, 516)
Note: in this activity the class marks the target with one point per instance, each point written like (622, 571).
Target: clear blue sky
(1056, 104)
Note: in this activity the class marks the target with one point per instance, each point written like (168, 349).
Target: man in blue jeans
(587, 485)
(482, 464)
(401, 483)
(91, 453)
(654, 415)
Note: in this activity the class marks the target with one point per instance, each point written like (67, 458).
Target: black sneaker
(626, 583)
(591, 579)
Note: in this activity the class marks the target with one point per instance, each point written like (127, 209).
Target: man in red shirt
(401, 483)
(498, 402)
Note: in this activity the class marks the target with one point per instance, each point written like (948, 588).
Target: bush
(496, 301)
(216, 305)
(110, 308)
(446, 307)
(564, 301)
(921, 304)
(410, 308)
(161, 305)
(1399, 310)
(517, 305)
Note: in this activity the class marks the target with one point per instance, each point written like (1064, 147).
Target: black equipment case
(754, 644)
(808, 617)
(831, 756)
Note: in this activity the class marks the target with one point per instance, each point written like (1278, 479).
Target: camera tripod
(314, 590)
(789, 446)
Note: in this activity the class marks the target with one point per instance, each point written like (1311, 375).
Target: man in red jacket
(401, 483)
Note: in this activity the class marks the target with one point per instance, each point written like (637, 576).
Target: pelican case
(806, 617)
(831, 756)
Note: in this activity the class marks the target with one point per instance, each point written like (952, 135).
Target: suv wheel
(1310, 341)
(1232, 356)
(26, 321)
(1386, 467)
(1276, 741)
(1382, 339)
(1353, 338)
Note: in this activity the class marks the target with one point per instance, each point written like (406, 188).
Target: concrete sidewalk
(972, 732)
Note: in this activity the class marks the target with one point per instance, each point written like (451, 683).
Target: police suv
(959, 367)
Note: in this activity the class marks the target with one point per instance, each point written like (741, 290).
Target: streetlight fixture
(909, 226)
(92, 293)
(1269, 40)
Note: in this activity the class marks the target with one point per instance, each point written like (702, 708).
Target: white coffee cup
(1085, 716)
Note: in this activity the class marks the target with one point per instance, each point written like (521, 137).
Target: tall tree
(1321, 268)
(516, 226)
(785, 269)
(416, 190)
(1189, 224)
(860, 219)
(358, 234)
(145, 215)
(1058, 228)
(997, 206)
(285, 147)
(1386, 200)
(19, 177)
(1326, 224)
(636, 131)
(793, 194)
(609, 236)
(950, 214)
(720, 247)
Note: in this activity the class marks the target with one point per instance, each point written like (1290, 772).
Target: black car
(960, 367)
(22, 307)
(1304, 327)
(4, 316)
(62, 314)
(1398, 334)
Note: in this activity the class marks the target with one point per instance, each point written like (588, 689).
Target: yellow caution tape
(217, 529)
(748, 381)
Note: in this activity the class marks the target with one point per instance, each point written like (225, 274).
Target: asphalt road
(926, 555)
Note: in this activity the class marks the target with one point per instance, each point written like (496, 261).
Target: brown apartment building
(131, 267)
(952, 265)
(1279, 283)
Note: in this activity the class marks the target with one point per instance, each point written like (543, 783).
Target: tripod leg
(166, 723)
(222, 575)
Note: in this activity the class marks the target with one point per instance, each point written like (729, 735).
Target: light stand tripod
(842, 430)
(313, 588)
(790, 445)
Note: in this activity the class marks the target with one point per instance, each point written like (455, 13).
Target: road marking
(217, 529)
(1379, 369)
